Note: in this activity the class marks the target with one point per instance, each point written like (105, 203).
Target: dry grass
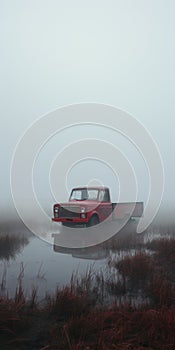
(77, 318)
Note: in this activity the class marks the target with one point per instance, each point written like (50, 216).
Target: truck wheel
(94, 220)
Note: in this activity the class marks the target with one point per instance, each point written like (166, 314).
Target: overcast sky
(55, 53)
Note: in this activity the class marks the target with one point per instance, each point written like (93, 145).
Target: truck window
(75, 195)
(92, 195)
(84, 194)
(104, 196)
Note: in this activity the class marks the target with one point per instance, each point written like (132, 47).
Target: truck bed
(130, 209)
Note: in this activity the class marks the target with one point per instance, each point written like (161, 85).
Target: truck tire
(94, 220)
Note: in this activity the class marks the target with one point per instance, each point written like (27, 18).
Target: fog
(54, 53)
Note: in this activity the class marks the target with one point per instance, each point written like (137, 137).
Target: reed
(77, 316)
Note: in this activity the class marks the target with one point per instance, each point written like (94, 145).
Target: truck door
(105, 206)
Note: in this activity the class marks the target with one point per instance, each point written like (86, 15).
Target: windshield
(84, 194)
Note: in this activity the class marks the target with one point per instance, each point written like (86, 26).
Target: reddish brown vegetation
(123, 328)
(70, 320)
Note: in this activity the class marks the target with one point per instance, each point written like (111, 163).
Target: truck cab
(86, 205)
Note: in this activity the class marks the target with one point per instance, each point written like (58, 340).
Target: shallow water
(39, 265)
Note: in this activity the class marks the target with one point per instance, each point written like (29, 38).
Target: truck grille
(69, 212)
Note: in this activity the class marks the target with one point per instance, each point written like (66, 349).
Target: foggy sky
(55, 53)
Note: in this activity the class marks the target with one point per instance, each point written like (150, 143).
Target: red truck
(88, 206)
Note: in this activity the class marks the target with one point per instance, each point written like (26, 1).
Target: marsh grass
(77, 316)
(11, 245)
(4, 276)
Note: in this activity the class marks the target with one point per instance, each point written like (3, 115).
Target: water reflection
(11, 245)
(34, 262)
(125, 239)
(37, 265)
(92, 253)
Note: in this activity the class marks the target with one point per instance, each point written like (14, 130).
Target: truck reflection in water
(125, 239)
(91, 253)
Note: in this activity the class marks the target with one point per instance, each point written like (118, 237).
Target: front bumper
(71, 220)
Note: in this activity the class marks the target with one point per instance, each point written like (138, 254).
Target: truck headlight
(83, 210)
(56, 209)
